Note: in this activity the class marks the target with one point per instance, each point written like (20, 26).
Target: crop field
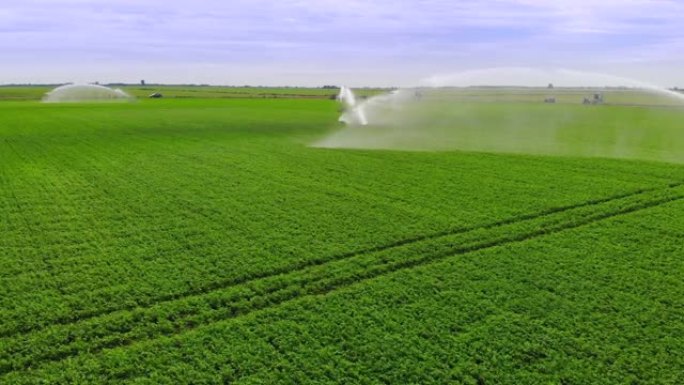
(24, 93)
(527, 127)
(202, 239)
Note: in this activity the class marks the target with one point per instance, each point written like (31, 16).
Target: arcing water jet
(354, 113)
(84, 93)
(508, 111)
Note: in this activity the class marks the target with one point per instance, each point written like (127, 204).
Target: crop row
(179, 314)
(544, 310)
(95, 276)
(125, 263)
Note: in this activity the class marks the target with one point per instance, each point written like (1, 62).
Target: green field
(24, 93)
(523, 126)
(203, 240)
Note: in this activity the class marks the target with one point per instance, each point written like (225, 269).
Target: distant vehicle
(550, 100)
(596, 99)
(156, 95)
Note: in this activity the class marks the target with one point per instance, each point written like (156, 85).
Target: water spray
(85, 93)
(354, 112)
(519, 110)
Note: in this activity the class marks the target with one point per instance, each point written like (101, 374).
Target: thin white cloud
(338, 36)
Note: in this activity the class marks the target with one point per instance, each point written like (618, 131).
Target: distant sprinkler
(354, 113)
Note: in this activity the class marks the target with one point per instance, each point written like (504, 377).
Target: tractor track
(323, 279)
(227, 283)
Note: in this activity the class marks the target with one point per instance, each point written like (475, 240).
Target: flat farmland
(28, 93)
(203, 240)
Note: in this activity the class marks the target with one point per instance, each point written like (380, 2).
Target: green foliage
(202, 241)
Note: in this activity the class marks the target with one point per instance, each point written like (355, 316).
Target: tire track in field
(227, 283)
(126, 329)
(219, 285)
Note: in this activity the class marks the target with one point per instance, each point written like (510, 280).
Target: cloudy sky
(316, 42)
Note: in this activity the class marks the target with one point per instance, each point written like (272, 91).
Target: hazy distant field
(611, 96)
(8, 93)
(203, 240)
(608, 131)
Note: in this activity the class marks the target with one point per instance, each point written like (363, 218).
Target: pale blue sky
(315, 42)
